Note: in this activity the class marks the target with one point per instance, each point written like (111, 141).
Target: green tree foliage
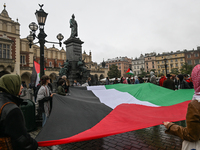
(143, 73)
(114, 72)
(186, 69)
(174, 71)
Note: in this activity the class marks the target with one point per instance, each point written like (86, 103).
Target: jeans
(44, 119)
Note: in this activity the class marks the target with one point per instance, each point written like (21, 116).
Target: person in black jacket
(169, 83)
(182, 84)
(13, 133)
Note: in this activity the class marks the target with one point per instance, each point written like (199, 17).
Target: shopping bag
(191, 145)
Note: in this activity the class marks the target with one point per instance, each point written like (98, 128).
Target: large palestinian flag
(99, 111)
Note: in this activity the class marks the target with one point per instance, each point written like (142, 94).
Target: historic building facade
(123, 63)
(138, 65)
(174, 60)
(17, 57)
(192, 57)
(96, 70)
(9, 44)
(150, 61)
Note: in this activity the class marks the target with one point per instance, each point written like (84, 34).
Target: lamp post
(41, 16)
(165, 66)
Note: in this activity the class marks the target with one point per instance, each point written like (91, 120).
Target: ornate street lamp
(41, 16)
(165, 65)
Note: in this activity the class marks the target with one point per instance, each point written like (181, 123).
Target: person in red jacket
(162, 79)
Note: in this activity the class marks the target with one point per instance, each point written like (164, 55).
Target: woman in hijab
(13, 134)
(192, 131)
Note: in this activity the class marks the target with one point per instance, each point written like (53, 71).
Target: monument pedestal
(73, 55)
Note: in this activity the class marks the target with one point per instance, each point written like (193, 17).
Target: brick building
(123, 63)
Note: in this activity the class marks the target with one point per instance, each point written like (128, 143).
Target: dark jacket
(183, 84)
(12, 124)
(61, 90)
(169, 84)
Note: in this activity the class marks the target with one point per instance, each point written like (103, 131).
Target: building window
(153, 66)
(196, 61)
(176, 65)
(171, 65)
(158, 71)
(158, 66)
(134, 72)
(162, 61)
(152, 62)
(134, 67)
(189, 62)
(146, 63)
(158, 62)
(5, 51)
(137, 67)
(50, 64)
(171, 60)
(181, 59)
(188, 56)
(59, 64)
(147, 67)
(196, 55)
(119, 67)
(138, 72)
(176, 60)
(23, 59)
(119, 64)
(181, 64)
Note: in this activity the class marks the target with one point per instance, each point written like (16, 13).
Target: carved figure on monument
(81, 65)
(74, 27)
(65, 69)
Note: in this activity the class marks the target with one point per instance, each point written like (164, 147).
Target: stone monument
(74, 68)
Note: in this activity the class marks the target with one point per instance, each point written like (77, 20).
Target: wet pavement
(152, 138)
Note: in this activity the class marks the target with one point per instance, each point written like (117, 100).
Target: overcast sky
(113, 28)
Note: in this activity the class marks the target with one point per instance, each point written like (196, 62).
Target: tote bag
(191, 145)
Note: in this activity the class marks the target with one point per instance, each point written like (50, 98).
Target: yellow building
(174, 60)
(96, 70)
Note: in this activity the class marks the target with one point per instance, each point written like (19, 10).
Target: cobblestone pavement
(152, 138)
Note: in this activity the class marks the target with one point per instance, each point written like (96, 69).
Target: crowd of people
(171, 81)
